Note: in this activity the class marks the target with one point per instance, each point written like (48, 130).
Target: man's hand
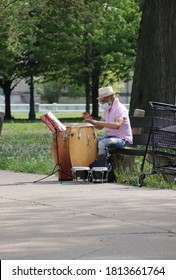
(86, 116)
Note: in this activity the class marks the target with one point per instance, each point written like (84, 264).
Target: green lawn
(60, 115)
(26, 147)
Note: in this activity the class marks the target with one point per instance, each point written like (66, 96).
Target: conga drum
(77, 146)
(60, 150)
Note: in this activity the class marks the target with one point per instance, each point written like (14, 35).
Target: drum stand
(57, 164)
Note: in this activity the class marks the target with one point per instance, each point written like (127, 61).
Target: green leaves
(68, 39)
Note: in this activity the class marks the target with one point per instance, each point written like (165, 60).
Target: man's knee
(101, 148)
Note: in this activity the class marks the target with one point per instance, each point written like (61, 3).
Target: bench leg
(141, 180)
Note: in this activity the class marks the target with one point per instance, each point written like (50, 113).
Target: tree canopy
(76, 42)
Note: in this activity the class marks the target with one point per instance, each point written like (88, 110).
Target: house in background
(20, 94)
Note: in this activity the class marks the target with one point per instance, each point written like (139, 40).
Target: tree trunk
(95, 86)
(7, 93)
(87, 79)
(154, 75)
(87, 90)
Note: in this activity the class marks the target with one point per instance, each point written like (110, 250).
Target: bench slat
(143, 122)
(131, 152)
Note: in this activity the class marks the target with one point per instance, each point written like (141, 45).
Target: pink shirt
(118, 110)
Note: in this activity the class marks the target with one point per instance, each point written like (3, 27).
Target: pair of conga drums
(77, 146)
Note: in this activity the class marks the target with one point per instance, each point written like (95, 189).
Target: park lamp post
(31, 86)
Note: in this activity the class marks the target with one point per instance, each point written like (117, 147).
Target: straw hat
(105, 91)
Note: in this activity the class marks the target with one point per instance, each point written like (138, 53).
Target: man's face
(106, 99)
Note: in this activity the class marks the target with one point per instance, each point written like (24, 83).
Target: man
(115, 120)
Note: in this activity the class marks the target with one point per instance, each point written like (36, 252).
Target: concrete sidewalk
(50, 220)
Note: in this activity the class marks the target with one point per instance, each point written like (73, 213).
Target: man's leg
(108, 142)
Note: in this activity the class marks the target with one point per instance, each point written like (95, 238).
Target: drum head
(80, 168)
(99, 169)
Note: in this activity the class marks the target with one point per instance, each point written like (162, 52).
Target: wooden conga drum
(77, 146)
(60, 150)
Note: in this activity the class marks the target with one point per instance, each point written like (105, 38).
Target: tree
(24, 44)
(104, 41)
(12, 51)
(77, 42)
(155, 72)
(8, 70)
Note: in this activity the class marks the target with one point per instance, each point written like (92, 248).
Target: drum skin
(77, 146)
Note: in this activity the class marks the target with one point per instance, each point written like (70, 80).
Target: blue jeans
(105, 143)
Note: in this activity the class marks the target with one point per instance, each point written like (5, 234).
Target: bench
(124, 157)
(140, 140)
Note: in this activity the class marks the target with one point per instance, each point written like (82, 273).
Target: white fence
(49, 107)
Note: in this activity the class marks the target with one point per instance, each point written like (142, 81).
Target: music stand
(54, 126)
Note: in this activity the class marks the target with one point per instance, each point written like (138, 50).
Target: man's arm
(113, 125)
(101, 124)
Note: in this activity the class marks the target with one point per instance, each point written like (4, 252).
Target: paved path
(50, 220)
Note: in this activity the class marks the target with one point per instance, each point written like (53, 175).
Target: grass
(61, 115)
(130, 176)
(27, 147)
